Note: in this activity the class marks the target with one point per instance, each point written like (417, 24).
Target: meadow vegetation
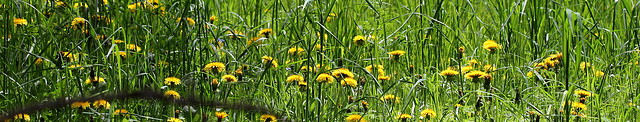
(319, 60)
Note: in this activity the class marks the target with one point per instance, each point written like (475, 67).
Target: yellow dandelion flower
(404, 116)
(267, 59)
(221, 115)
(235, 34)
(428, 113)
(229, 78)
(238, 71)
(78, 5)
(256, 40)
(101, 104)
(307, 68)
(172, 94)
(122, 112)
(384, 78)
(549, 62)
(295, 50)
(396, 54)
(579, 105)
(75, 66)
(214, 67)
(529, 74)
(268, 118)
(540, 65)
(82, 105)
(325, 78)
(333, 14)
(214, 82)
(19, 22)
(39, 61)
(359, 40)
(189, 20)
(578, 114)
(61, 4)
(172, 81)
(173, 120)
(69, 56)
(319, 47)
(98, 37)
(159, 11)
(133, 47)
(302, 86)
(583, 93)
(342, 73)
(355, 118)
(117, 41)
(349, 81)
(213, 18)
(489, 68)
(491, 46)
(449, 72)
(132, 7)
(22, 116)
(94, 80)
(78, 22)
(274, 63)
(475, 75)
(584, 65)
(599, 73)
(473, 62)
(556, 56)
(325, 36)
(122, 54)
(379, 68)
(295, 78)
(390, 98)
(467, 68)
(266, 32)
(330, 17)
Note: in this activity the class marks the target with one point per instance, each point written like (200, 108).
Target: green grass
(602, 33)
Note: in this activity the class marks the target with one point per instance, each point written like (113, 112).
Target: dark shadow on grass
(143, 94)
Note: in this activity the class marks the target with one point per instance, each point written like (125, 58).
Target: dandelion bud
(214, 84)
(350, 99)
(365, 105)
(411, 69)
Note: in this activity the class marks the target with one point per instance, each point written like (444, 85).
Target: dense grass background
(601, 33)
